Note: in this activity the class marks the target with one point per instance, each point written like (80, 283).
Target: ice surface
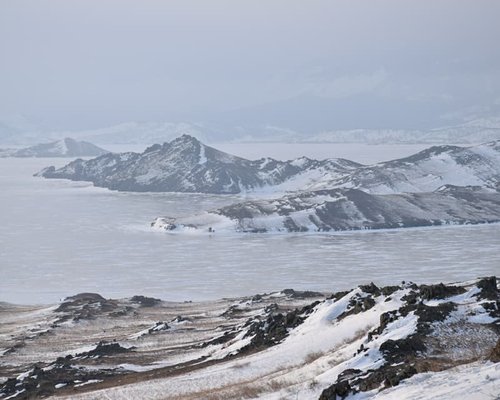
(58, 238)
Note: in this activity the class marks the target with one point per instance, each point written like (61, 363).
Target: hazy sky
(85, 63)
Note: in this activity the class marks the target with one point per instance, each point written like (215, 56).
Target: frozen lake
(58, 238)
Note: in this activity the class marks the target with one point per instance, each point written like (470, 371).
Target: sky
(307, 65)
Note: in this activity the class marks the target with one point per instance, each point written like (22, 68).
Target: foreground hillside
(396, 342)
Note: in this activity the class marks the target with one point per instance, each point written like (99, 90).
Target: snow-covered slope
(427, 170)
(187, 165)
(474, 131)
(346, 209)
(62, 148)
(405, 341)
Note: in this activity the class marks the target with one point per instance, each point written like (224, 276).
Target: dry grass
(311, 357)
(240, 365)
(241, 391)
(276, 385)
(314, 383)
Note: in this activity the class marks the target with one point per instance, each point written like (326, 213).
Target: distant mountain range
(472, 132)
(440, 185)
(66, 147)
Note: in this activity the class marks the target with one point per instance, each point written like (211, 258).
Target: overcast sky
(88, 63)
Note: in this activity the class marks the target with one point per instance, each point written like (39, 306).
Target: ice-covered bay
(58, 238)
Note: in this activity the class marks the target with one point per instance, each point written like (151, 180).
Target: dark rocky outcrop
(85, 306)
(440, 291)
(42, 382)
(489, 288)
(357, 305)
(104, 349)
(339, 390)
(274, 328)
(495, 353)
(297, 294)
(144, 301)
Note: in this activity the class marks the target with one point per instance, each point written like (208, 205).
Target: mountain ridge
(472, 131)
(187, 165)
(66, 147)
(344, 209)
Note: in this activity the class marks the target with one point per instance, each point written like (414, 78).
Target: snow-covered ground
(367, 343)
(359, 152)
(475, 381)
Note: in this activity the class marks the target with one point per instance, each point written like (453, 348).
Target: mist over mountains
(21, 131)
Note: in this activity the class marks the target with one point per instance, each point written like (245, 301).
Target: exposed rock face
(104, 349)
(187, 165)
(489, 288)
(84, 306)
(45, 382)
(276, 327)
(349, 209)
(430, 292)
(62, 148)
(145, 301)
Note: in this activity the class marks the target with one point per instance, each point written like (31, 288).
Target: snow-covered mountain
(427, 170)
(346, 209)
(66, 147)
(187, 165)
(472, 132)
(22, 131)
